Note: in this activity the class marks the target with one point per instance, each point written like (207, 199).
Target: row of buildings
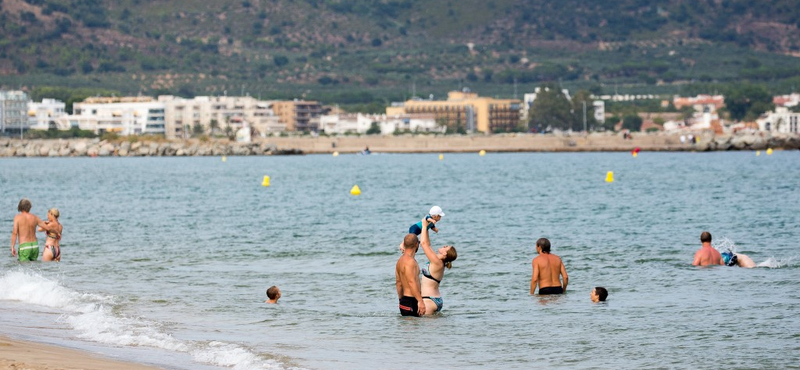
(170, 116)
(176, 117)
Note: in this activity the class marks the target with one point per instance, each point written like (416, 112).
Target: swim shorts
(438, 300)
(408, 306)
(551, 290)
(29, 251)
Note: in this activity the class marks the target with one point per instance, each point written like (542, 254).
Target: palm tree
(214, 126)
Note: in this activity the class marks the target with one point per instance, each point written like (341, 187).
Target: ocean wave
(93, 317)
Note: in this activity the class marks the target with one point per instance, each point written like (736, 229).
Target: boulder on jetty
(126, 148)
(136, 146)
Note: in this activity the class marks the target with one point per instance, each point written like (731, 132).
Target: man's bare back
(25, 226)
(707, 256)
(406, 273)
(547, 268)
(24, 229)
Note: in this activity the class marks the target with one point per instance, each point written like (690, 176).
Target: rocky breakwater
(749, 141)
(102, 148)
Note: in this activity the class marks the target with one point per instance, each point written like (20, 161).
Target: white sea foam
(92, 316)
(724, 245)
(775, 263)
(233, 356)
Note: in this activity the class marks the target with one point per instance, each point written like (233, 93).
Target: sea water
(166, 260)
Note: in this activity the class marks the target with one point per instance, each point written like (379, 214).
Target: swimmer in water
(52, 246)
(547, 268)
(598, 294)
(737, 259)
(706, 255)
(274, 294)
(434, 274)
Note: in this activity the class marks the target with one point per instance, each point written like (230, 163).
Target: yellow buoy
(224, 158)
(610, 176)
(355, 190)
(758, 153)
(482, 153)
(335, 154)
(769, 151)
(441, 157)
(634, 154)
(265, 183)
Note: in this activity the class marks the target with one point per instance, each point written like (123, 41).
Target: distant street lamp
(584, 116)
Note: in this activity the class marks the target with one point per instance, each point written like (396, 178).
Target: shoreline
(408, 143)
(20, 354)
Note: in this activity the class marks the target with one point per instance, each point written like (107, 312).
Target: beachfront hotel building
(466, 110)
(782, 120)
(358, 123)
(13, 112)
(225, 111)
(298, 115)
(124, 116)
(47, 114)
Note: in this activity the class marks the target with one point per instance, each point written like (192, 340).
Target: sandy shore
(21, 355)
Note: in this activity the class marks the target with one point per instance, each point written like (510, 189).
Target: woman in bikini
(52, 247)
(433, 275)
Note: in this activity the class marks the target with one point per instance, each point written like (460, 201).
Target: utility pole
(584, 116)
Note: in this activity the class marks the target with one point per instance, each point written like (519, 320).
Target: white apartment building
(182, 115)
(781, 121)
(47, 114)
(599, 111)
(358, 123)
(13, 112)
(123, 116)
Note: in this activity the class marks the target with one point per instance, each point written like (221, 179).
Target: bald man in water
(706, 255)
(546, 270)
(406, 275)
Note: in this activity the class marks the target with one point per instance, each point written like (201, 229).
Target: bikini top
(53, 235)
(427, 274)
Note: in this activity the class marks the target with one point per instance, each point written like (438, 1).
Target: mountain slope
(285, 48)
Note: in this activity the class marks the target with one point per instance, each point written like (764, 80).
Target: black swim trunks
(551, 290)
(408, 306)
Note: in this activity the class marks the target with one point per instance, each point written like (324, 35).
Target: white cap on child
(436, 211)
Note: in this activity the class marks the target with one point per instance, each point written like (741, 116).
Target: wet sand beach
(17, 354)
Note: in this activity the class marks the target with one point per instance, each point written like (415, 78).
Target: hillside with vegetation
(371, 52)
